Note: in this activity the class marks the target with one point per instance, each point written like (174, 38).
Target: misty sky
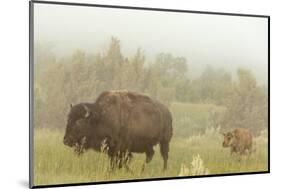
(226, 41)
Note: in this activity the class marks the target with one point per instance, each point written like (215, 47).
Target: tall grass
(200, 153)
(192, 119)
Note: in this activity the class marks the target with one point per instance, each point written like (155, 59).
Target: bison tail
(168, 131)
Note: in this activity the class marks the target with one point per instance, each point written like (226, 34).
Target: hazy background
(209, 70)
(223, 41)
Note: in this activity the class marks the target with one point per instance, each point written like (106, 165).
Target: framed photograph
(126, 94)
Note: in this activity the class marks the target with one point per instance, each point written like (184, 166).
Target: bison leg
(128, 157)
(121, 159)
(164, 149)
(115, 155)
(116, 162)
(127, 160)
(149, 155)
(250, 150)
(113, 162)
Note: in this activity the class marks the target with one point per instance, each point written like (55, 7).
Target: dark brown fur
(129, 122)
(239, 140)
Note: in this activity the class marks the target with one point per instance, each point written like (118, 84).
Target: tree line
(82, 77)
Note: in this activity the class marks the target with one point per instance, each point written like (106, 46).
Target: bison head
(79, 126)
(228, 139)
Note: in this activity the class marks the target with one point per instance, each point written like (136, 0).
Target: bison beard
(79, 148)
(125, 122)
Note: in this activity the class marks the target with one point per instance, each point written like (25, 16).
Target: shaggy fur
(239, 140)
(127, 122)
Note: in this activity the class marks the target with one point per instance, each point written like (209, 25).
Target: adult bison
(239, 140)
(126, 122)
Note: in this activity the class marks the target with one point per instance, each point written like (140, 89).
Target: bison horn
(87, 111)
(70, 106)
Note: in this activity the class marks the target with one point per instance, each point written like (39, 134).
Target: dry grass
(198, 154)
(56, 163)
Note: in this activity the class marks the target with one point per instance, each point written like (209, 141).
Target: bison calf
(239, 140)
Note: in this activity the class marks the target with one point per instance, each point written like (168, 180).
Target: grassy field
(198, 154)
(193, 119)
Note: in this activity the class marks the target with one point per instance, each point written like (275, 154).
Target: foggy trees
(82, 77)
(168, 76)
(213, 86)
(247, 104)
